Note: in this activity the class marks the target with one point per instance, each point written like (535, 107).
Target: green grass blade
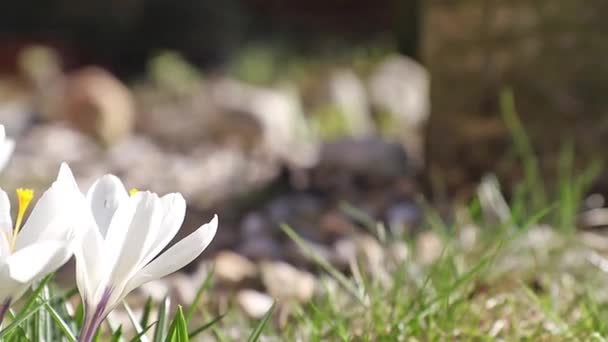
(178, 332)
(65, 328)
(145, 317)
(137, 337)
(117, 335)
(255, 334)
(202, 328)
(163, 319)
(341, 278)
(138, 329)
(20, 318)
(199, 294)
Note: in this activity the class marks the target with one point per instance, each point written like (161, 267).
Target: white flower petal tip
(7, 146)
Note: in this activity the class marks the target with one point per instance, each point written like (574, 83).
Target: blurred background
(268, 111)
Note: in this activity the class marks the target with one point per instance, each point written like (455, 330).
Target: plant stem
(4, 309)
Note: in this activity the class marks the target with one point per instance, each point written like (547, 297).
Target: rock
(540, 237)
(97, 103)
(255, 304)
(286, 283)
(232, 268)
(401, 87)
(255, 225)
(334, 224)
(349, 95)
(39, 153)
(183, 287)
(399, 251)
(366, 249)
(261, 248)
(468, 235)
(285, 132)
(227, 172)
(428, 247)
(179, 124)
(370, 157)
(493, 204)
(304, 206)
(58, 143)
(402, 217)
(17, 115)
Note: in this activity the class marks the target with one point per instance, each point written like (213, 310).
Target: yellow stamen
(25, 197)
(133, 191)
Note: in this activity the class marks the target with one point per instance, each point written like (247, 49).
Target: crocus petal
(174, 212)
(66, 177)
(117, 231)
(6, 223)
(4, 247)
(141, 232)
(51, 216)
(35, 261)
(91, 268)
(6, 148)
(9, 288)
(176, 257)
(104, 197)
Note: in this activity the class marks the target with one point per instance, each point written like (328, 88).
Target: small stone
(334, 224)
(285, 282)
(17, 116)
(255, 304)
(279, 113)
(97, 103)
(261, 248)
(468, 236)
(399, 251)
(348, 93)
(428, 247)
(233, 268)
(372, 157)
(366, 247)
(400, 87)
(183, 287)
(254, 224)
(402, 217)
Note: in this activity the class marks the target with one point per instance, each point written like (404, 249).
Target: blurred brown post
(408, 27)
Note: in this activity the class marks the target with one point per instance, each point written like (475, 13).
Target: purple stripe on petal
(92, 322)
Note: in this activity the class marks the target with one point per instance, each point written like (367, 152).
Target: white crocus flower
(122, 242)
(6, 148)
(31, 250)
